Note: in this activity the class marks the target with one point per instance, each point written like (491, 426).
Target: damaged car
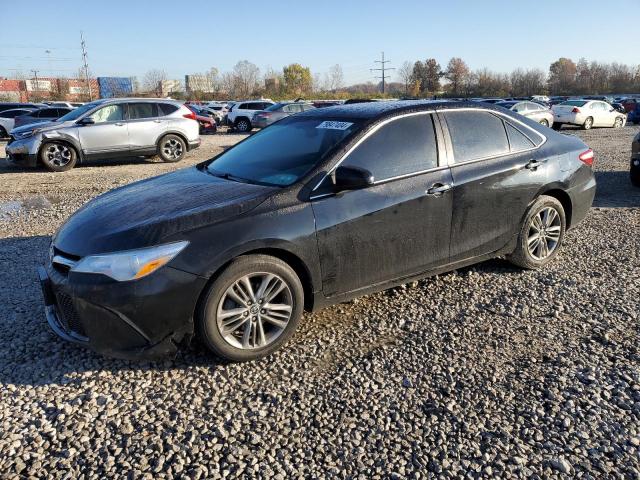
(319, 208)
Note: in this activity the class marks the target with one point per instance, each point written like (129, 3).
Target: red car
(207, 123)
(629, 104)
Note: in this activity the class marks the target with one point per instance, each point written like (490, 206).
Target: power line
(85, 65)
(383, 68)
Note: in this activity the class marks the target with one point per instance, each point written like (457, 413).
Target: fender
(55, 135)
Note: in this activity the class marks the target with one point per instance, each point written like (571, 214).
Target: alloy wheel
(172, 148)
(242, 126)
(58, 154)
(254, 311)
(618, 123)
(545, 229)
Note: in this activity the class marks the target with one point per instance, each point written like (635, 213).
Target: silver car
(534, 111)
(107, 128)
(277, 111)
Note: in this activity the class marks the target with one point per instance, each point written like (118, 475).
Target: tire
(226, 293)
(243, 125)
(534, 256)
(588, 123)
(634, 176)
(544, 122)
(58, 156)
(618, 122)
(3, 133)
(556, 126)
(171, 148)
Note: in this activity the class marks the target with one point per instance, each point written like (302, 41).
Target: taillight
(190, 115)
(575, 110)
(587, 157)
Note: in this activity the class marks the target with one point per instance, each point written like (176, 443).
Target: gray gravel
(486, 372)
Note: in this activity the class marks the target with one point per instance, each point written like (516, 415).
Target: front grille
(68, 315)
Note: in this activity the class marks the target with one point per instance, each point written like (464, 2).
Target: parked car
(60, 104)
(120, 127)
(603, 98)
(277, 111)
(206, 121)
(634, 115)
(634, 170)
(618, 107)
(41, 115)
(7, 120)
(587, 114)
(629, 104)
(240, 114)
(540, 98)
(488, 100)
(557, 99)
(320, 207)
(532, 110)
(13, 105)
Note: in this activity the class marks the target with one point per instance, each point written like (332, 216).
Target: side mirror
(352, 178)
(87, 121)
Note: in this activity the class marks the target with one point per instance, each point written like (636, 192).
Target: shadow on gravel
(30, 354)
(614, 190)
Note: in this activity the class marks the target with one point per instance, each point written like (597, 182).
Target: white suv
(241, 113)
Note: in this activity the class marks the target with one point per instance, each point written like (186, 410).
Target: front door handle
(158, 121)
(118, 124)
(534, 164)
(437, 189)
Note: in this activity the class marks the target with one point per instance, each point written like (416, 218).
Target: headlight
(26, 133)
(131, 264)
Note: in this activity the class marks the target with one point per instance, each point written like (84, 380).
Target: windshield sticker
(332, 125)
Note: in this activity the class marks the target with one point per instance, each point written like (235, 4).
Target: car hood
(41, 126)
(146, 213)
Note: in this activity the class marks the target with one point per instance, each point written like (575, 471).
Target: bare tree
(152, 81)
(245, 78)
(405, 73)
(335, 78)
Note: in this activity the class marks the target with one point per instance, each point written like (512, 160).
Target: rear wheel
(544, 122)
(541, 234)
(3, 133)
(588, 123)
(58, 156)
(251, 309)
(634, 174)
(243, 125)
(171, 148)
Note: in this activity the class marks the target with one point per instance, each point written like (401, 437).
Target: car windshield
(283, 153)
(78, 112)
(575, 103)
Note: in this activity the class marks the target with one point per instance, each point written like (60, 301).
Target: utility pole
(383, 68)
(85, 65)
(36, 85)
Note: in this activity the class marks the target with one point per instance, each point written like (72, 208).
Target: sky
(127, 38)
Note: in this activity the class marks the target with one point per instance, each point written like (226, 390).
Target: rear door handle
(437, 189)
(118, 124)
(534, 164)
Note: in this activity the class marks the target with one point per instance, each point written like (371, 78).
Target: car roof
(376, 110)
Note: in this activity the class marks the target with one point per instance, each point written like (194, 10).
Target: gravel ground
(486, 372)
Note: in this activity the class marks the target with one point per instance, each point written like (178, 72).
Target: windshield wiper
(229, 176)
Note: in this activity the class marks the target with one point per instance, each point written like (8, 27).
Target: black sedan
(41, 115)
(321, 207)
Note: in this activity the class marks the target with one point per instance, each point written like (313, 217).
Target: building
(167, 87)
(47, 88)
(199, 83)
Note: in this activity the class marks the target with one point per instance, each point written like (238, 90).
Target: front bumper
(22, 152)
(143, 319)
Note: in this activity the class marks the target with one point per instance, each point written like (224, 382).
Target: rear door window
(167, 108)
(142, 110)
(476, 135)
(402, 147)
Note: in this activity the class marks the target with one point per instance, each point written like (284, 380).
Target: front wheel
(171, 148)
(251, 309)
(541, 234)
(588, 123)
(544, 122)
(58, 156)
(556, 126)
(3, 133)
(618, 123)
